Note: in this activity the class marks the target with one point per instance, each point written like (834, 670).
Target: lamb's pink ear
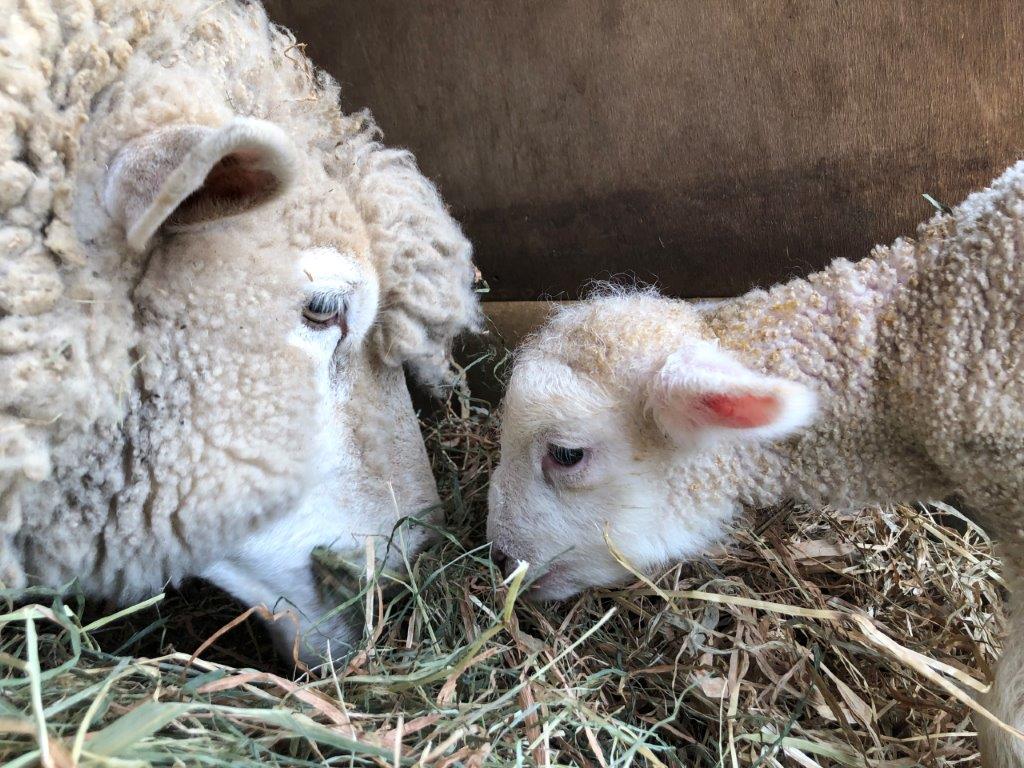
(701, 393)
(189, 174)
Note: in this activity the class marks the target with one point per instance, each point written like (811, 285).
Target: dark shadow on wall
(708, 147)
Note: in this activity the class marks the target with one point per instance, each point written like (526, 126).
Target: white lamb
(900, 377)
(189, 386)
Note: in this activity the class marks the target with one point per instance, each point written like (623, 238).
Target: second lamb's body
(916, 356)
(898, 378)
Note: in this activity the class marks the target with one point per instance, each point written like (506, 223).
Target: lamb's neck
(824, 332)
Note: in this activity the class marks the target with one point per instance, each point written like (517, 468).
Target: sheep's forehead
(545, 393)
(586, 367)
(614, 340)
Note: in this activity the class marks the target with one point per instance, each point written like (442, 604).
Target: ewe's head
(258, 391)
(618, 424)
(210, 281)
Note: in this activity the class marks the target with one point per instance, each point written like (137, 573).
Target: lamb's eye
(320, 310)
(565, 457)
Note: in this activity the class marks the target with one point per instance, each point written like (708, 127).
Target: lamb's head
(261, 422)
(622, 425)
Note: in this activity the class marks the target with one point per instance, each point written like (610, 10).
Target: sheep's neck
(825, 331)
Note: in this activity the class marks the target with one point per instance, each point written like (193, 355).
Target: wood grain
(708, 146)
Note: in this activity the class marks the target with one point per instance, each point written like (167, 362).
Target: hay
(746, 658)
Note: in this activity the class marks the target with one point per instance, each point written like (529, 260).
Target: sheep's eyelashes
(565, 457)
(563, 464)
(323, 311)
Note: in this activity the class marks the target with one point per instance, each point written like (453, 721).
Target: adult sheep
(195, 377)
(898, 378)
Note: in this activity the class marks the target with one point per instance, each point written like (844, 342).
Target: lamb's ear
(185, 175)
(702, 393)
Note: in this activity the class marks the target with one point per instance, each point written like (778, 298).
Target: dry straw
(808, 639)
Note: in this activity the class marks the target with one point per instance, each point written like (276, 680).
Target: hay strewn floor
(454, 672)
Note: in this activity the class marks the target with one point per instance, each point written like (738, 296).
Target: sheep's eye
(320, 310)
(565, 457)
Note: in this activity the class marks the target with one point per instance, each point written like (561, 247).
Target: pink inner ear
(234, 184)
(741, 411)
(237, 177)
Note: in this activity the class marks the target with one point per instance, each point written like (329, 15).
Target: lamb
(210, 279)
(897, 378)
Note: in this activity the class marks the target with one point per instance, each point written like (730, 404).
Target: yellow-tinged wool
(78, 81)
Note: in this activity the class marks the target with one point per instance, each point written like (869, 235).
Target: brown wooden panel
(488, 355)
(708, 145)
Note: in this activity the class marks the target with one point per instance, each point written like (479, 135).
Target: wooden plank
(489, 355)
(709, 146)
(509, 322)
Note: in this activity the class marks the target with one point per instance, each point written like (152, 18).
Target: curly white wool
(80, 302)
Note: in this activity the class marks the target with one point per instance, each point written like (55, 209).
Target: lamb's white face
(575, 474)
(594, 471)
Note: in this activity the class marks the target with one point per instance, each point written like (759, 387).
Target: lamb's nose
(501, 559)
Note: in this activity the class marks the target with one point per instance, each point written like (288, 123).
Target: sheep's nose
(501, 559)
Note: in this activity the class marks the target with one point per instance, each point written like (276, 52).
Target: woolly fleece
(152, 410)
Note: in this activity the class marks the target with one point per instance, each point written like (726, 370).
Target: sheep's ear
(702, 393)
(186, 175)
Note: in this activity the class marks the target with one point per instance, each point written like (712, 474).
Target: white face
(367, 468)
(309, 440)
(370, 465)
(265, 415)
(572, 477)
(588, 473)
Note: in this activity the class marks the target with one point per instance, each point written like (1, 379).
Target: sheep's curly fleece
(64, 345)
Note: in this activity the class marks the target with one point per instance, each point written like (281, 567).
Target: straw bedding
(747, 658)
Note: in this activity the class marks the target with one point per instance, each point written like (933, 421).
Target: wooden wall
(710, 146)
